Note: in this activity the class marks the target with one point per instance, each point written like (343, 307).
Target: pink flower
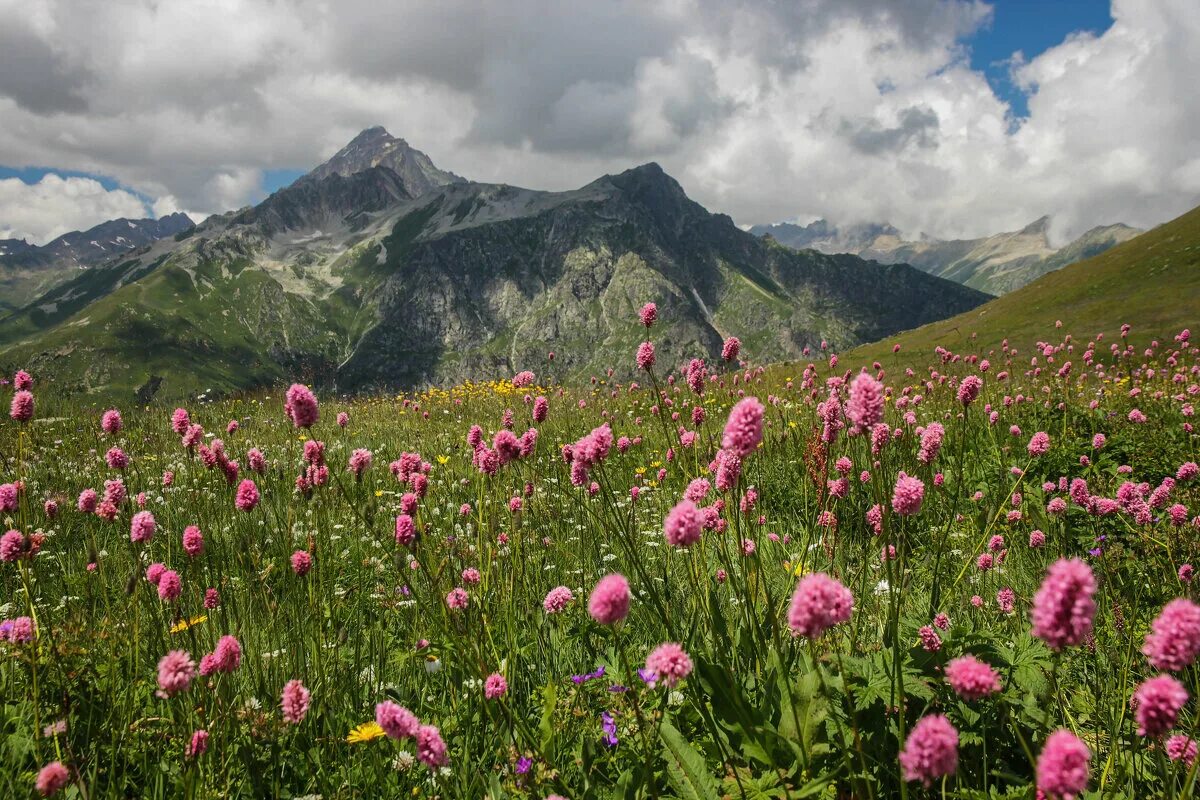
(865, 407)
(907, 495)
(227, 657)
(819, 603)
(931, 750)
(142, 527)
(193, 541)
(968, 390)
(198, 746)
(609, 603)
(360, 462)
(972, 679)
(731, 348)
(744, 429)
(116, 458)
(1182, 748)
(1036, 539)
(648, 314)
(669, 663)
(175, 673)
(1174, 639)
(1064, 606)
(180, 421)
(301, 562)
(1039, 445)
(247, 496)
(495, 686)
(169, 586)
(457, 599)
(1062, 767)
(12, 546)
(931, 442)
(406, 530)
(683, 525)
(111, 422)
(21, 409)
(396, 720)
(1157, 704)
(51, 778)
(930, 641)
(645, 355)
(541, 408)
(10, 495)
(557, 599)
(294, 702)
(22, 381)
(301, 406)
(430, 747)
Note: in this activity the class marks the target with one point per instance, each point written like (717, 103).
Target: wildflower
(169, 586)
(301, 562)
(457, 599)
(610, 600)
(930, 641)
(1039, 445)
(865, 407)
(294, 702)
(1158, 702)
(557, 599)
(645, 355)
(111, 422)
(193, 541)
(430, 747)
(907, 495)
(116, 458)
(495, 686)
(247, 496)
(1063, 607)
(1062, 767)
(683, 525)
(21, 409)
(972, 679)
(406, 530)
(819, 603)
(198, 745)
(1182, 748)
(1174, 638)
(648, 314)
(301, 406)
(142, 527)
(931, 750)
(396, 720)
(175, 673)
(731, 348)
(669, 663)
(51, 778)
(968, 389)
(744, 429)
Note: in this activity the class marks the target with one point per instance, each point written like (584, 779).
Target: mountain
(994, 264)
(28, 270)
(351, 282)
(1151, 282)
(375, 147)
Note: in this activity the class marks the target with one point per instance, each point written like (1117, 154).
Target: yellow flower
(364, 732)
(443, 459)
(184, 624)
(379, 492)
(640, 471)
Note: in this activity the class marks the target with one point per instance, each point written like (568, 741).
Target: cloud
(853, 110)
(54, 205)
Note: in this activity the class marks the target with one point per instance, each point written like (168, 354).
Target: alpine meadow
(767, 451)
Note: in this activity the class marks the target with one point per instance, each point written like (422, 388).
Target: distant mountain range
(379, 270)
(1151, 282)
(27, 270)
(995, 264)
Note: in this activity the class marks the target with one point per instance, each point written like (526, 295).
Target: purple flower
(523, 765)
(610, 729)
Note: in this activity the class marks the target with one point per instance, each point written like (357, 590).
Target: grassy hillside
(1151, 282)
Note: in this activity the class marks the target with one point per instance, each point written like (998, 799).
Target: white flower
(883, 587)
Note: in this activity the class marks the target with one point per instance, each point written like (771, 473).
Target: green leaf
(686, 769)
(546, 726)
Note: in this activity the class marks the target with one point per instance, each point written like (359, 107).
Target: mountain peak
(1039, 225)
(375, 147)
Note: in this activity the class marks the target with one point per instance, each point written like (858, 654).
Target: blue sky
(1031, 27)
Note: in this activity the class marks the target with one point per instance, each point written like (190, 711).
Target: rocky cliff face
(350, 282)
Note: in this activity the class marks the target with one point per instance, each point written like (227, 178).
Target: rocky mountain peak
(375, 147)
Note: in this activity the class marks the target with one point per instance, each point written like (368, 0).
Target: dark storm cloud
(35, 75)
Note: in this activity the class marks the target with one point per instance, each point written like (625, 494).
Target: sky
(952, 118)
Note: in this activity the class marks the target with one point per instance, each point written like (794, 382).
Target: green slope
(1151, 282)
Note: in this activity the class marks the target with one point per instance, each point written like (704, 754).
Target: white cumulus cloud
(42, 211)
